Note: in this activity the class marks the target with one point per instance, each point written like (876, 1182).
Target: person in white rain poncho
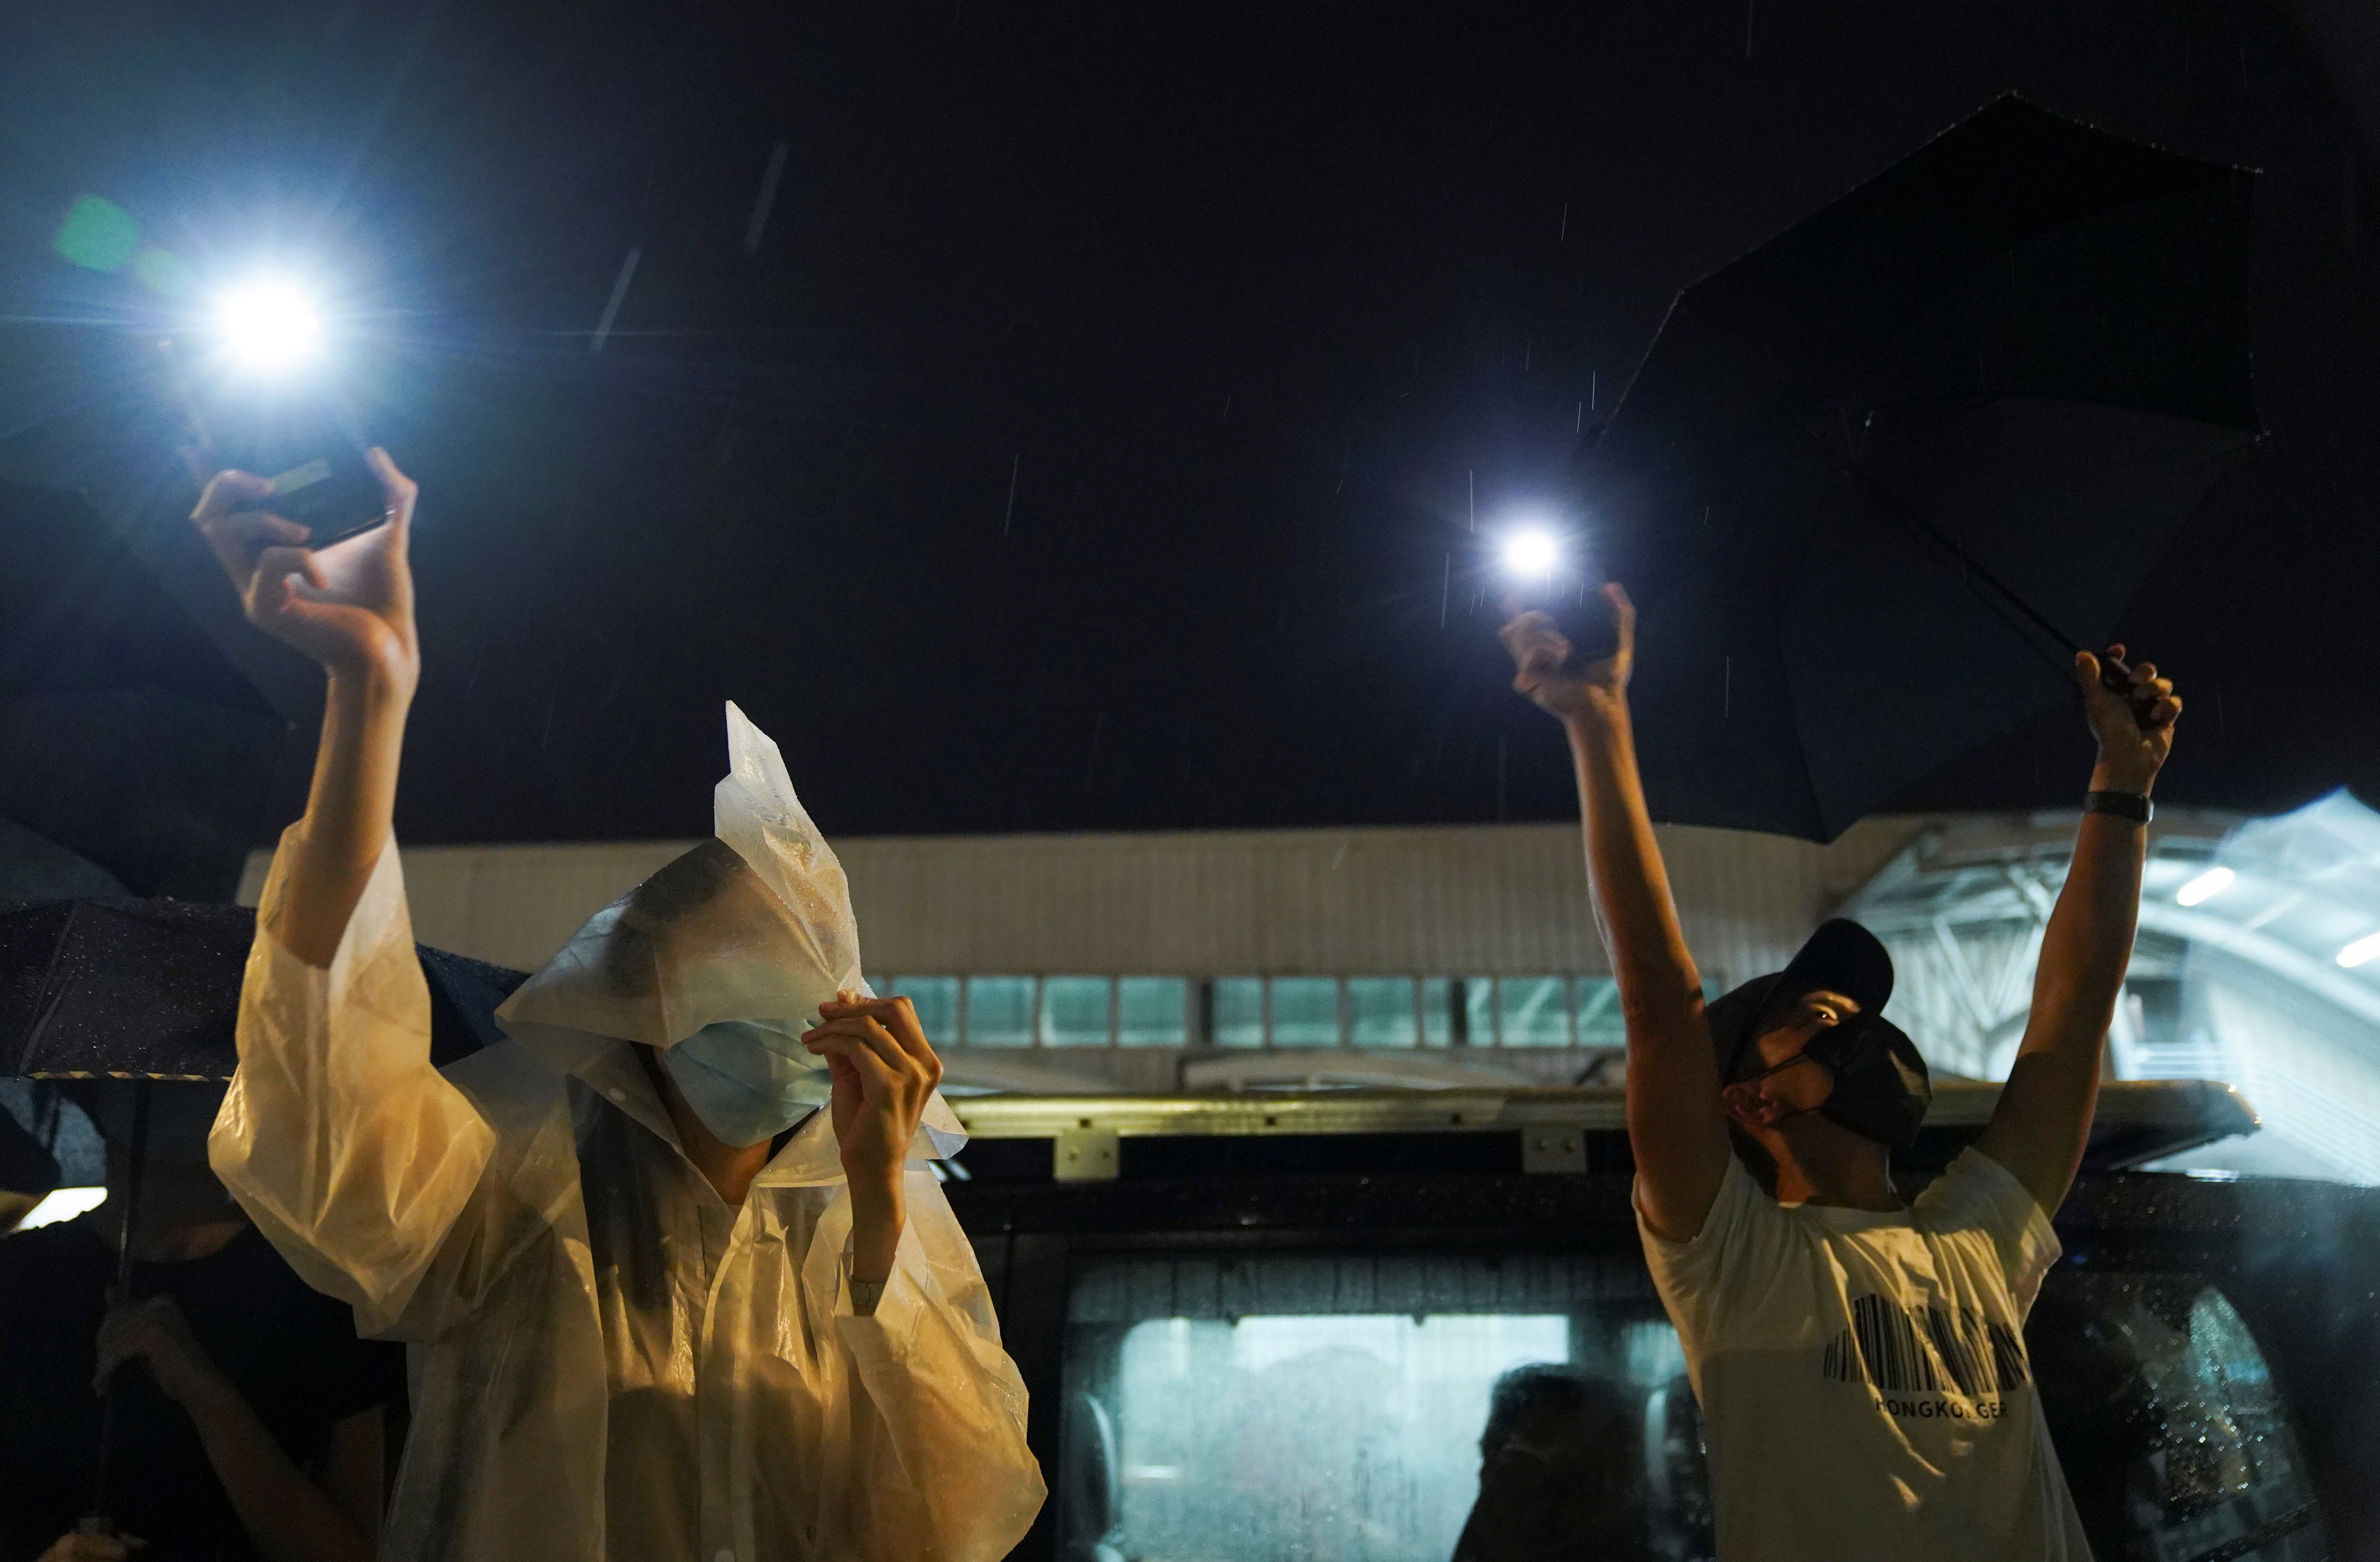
(661, 1309)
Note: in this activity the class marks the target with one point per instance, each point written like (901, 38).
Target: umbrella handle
(2115, 673)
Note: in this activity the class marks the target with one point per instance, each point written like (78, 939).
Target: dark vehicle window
(2176, 1441)
(1276, 1407)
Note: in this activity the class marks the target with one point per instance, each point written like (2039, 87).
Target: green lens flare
(98, 234)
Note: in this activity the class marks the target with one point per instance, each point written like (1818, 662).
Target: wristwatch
(2129, 805)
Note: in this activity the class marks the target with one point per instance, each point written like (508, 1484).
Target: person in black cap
(1861, 1363)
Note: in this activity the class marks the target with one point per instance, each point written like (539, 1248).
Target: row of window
(1258, 1011)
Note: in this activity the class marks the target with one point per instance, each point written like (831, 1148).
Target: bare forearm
(287, 1517)
(1655, 970)
(348, 812)
(2088, 944)
(879, 1212)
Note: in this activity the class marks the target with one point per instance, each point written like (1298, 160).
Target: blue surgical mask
(749, 1080)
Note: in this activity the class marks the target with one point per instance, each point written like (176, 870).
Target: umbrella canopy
(150, 989)
(1871, 475)
(134, 744)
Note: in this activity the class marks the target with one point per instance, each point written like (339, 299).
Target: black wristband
(2129, 805)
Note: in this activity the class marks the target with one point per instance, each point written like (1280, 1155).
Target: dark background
(1092, 443)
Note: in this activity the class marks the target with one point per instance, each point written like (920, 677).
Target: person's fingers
(868, 1030)
(280, 562)
(1623, 614)
(1525, 629)
(896, 1014)
(2144, 672)
(877, 1076)
(400, 491)
(230, 491)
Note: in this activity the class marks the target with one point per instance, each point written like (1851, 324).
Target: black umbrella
(1879, 476)
(136, 751)
(149, 990)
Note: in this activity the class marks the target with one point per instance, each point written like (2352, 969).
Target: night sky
(1093, 441)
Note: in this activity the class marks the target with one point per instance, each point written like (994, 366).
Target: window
(1304, 1012)
(1380, 1010)
(1152, 1010)
(1479, 1009)
(1437, 1011)
(1532, 1012)
(1000, 1011)
(1239, 1012)
(1599, 1021)
(1256, 1011)
(1074, 1011)
(1310, 1405)
(936, 1000)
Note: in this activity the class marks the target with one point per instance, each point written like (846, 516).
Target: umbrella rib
(1968, 567)
(52, 989)
(2114, 673)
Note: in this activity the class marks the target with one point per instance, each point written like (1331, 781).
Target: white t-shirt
(1866, 1392)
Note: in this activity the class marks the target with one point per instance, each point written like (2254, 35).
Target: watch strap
(2129, 805)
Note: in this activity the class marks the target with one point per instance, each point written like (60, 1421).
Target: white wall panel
(1507, 900)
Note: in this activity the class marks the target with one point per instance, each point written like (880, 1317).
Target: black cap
(1842, 956)
(1882, 1088)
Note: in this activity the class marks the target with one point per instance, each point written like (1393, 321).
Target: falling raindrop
(1528, 354)
(1473, 478)
(1747, 27)
(767, 201)
(1227, 409)
(1564, 238)
(1446, 585)
(1594, 387)
(1726, 685)
(611, 307)
(1010, 516)
(2347, 200)
(1579, 427)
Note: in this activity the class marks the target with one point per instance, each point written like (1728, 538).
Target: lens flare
(267, 326)
(2205, 886)
(1532, 554)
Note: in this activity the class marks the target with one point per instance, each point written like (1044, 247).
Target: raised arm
(2043, 1118)
(1675, 1124)
(351, 1152)
(364, 640)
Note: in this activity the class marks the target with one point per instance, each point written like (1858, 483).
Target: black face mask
(1881, 1087)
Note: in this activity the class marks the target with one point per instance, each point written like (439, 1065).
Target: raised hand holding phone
(348, 607)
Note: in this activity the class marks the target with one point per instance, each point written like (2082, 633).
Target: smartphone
(302, 432)
(1583, 615)
(335, 496)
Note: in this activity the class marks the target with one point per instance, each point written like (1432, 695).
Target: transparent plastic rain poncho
(608, 1361)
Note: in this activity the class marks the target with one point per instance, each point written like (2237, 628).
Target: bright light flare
(2362, 950)
(2205, 886)
(268, 325)
(1532, 554)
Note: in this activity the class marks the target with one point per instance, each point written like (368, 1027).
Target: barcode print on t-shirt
(1911, 1351)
